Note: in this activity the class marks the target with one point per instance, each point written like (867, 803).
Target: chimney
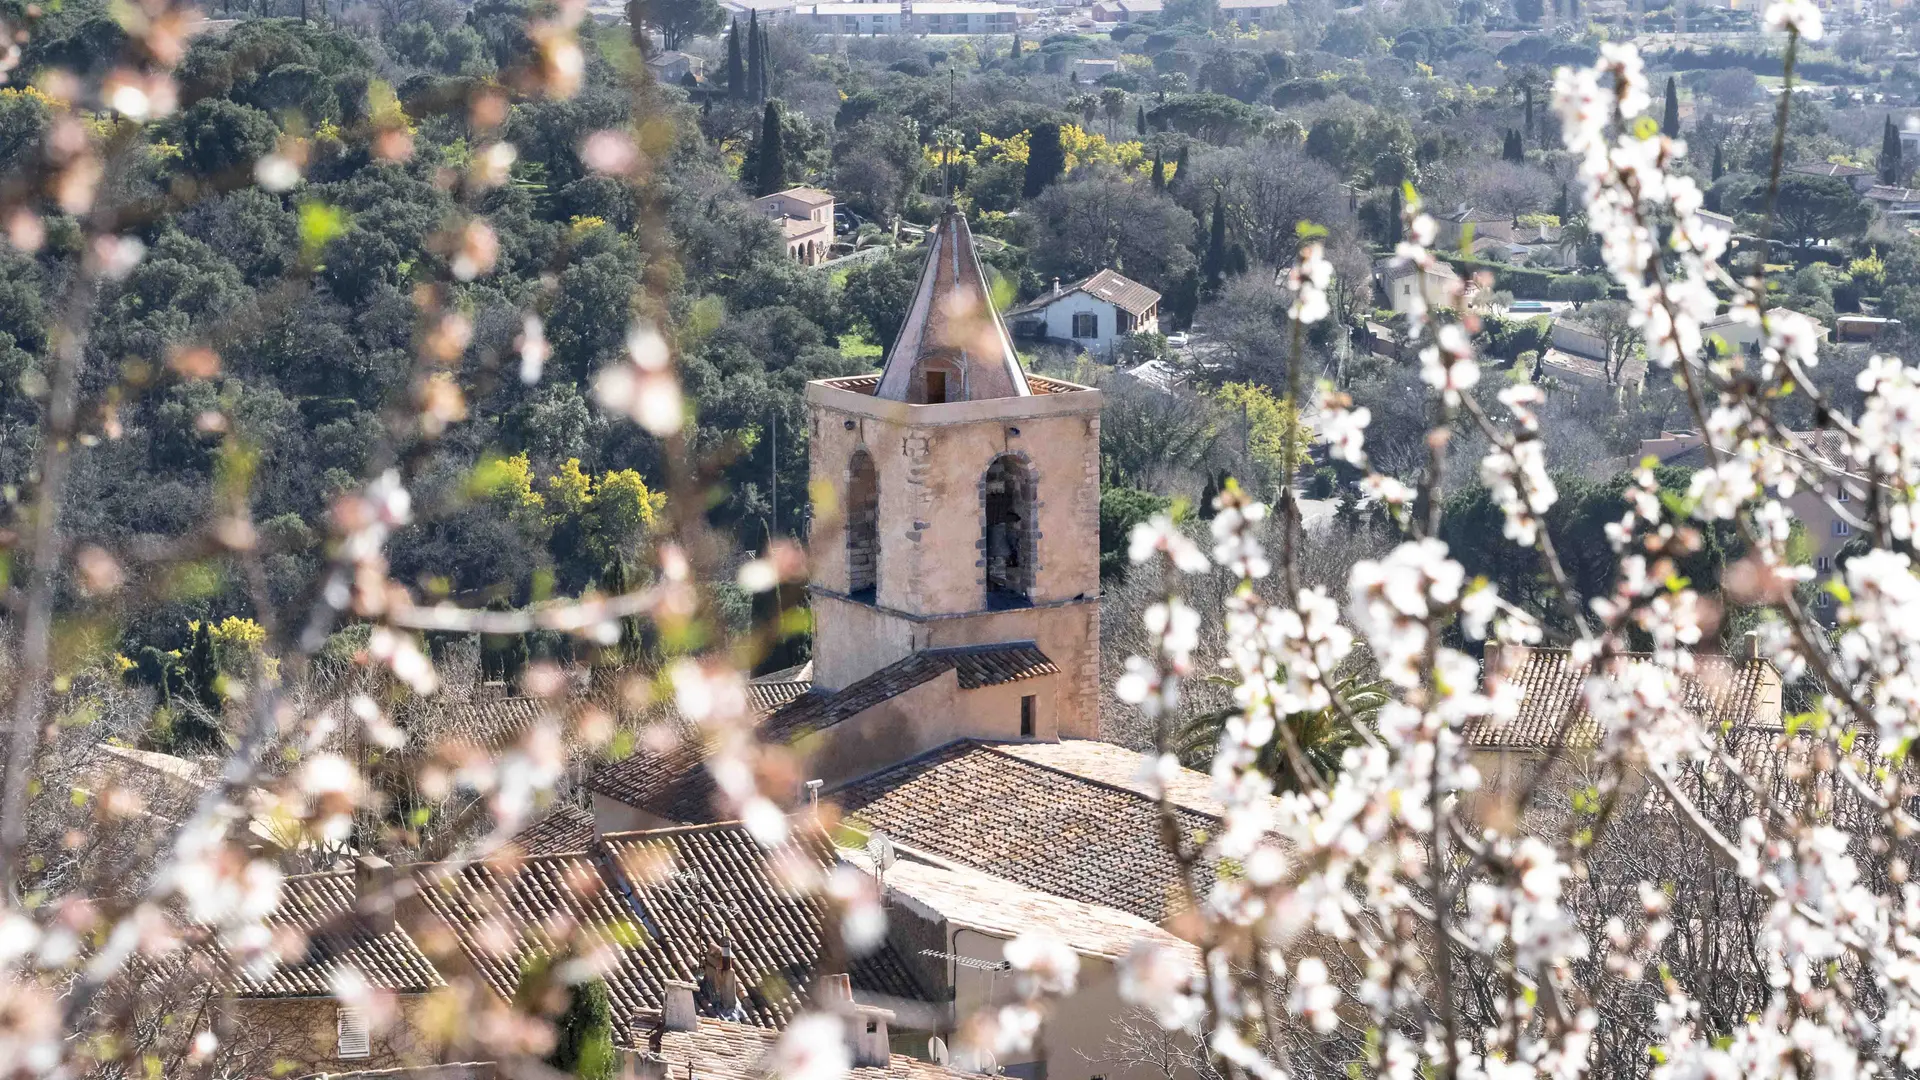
(836, 993)
(722, 978)
(867, 1030)
(373, 887)
(1056, 286)
(679, 1008)
(641, 1065)
(1753, 644)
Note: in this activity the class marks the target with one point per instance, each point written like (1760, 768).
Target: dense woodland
(1191, 169)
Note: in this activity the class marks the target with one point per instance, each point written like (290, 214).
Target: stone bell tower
(957, 515)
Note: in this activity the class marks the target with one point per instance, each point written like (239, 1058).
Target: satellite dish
(937, 1051)
(882, 851)
(989, 1064)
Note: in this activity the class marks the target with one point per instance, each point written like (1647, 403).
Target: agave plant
(1322, 734)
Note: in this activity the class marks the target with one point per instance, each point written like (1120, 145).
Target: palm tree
(947, 139)
(1322, 735)
(1113, 102)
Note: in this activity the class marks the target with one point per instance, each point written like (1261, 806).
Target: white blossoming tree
(1683, 900)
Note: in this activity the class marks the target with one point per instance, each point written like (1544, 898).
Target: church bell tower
(957, 511)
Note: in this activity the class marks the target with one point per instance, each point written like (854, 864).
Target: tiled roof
(811, 196)
(980, 901)
(488, 721)
(1117, 766)
(565, 828)
(989, 806)
(677, 786)
(1721, 690)
(654, 902)
(318, 909)
(1117, 289)
(1827, 168)
(646, 779)
(1886, 193)
(728, 1051)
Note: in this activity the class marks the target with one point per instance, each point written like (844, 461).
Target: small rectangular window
(1843, 494)
(356, 1038)
(1841, 528)
(1028, 706)
(936, 387)
(1086, 324)
(1823, 563)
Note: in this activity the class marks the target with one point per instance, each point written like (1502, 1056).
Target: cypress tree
(1526, 89)
(1670, 121)
(1014, 53)
(583, 1034)
(1159, 172)
(736, 63)
(1140, 121)
(766, 66)
(1395, 226)
(1719, 169)
(1046, 159)
(770, 164)
(202, 668)
(1179, 181)
(755, 75)
(1215, 264)
(1890, 164)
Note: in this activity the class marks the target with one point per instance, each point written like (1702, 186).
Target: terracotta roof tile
(565, 828)
(1722, 690)
(676, 785)
(655, 901)
(1072, 834)
(1117, 289)
(726, 1051)
(981, 901)
(319, 908)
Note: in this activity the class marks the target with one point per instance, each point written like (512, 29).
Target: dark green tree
(1670, 119)
(770, 172)
(1511, 148)
(1719, 167)
(1214, 266)
(1178, 185)
(1046, 159)
(202, 667)
(1322, 736)
(1159, 172)
(679, 21)
(766, 66)
(1890, 164)
(224, 137)
(1184, 300)
(756, 75)
(736, 63)
(1526, 90)
(583, 1034)
(1014, 53)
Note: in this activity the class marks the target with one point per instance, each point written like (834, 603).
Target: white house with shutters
(1096, 314)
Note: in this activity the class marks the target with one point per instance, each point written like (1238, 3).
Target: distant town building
(1251, 12)
(1093, 69)
(1401, 282)
(1125, 11)
(852, 19)
(967, 17)
(677, 67)
(1895, 201)
(806, 216)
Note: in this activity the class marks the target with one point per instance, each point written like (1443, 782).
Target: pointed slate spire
(953, 346)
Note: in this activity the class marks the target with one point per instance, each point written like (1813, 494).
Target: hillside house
(805, 215)
(1095, 314)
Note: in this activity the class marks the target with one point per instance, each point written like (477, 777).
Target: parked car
(1177, 340)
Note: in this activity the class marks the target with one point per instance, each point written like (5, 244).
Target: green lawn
(854, 345)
